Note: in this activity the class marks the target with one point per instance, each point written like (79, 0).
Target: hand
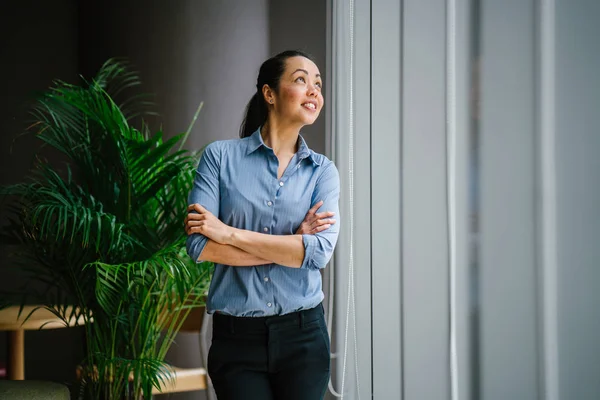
(315, 222)
(205, 223)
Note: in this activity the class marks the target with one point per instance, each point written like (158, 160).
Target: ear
(268, 94)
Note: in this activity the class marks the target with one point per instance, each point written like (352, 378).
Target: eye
(319, 85)
(301, 79)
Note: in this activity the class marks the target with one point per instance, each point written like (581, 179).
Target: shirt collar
(255, 141)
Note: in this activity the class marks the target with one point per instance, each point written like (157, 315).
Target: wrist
(232, 237)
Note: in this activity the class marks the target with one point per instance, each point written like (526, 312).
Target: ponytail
(256, 115)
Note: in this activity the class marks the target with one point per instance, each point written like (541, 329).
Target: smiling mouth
(309, 106)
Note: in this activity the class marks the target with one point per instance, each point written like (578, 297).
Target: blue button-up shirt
(237, 181)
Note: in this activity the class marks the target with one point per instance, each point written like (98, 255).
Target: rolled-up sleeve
(206, 193)
(318, 248)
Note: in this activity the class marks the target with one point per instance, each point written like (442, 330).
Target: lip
(310, 102)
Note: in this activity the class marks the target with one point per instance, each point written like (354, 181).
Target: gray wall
(578, 197)
(294, 27)
(517, 276)
(403, 295)
(507, 241)
(186, 52)
(539, 201)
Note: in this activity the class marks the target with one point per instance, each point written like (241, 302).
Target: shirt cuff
(310, 245)
(195, 244)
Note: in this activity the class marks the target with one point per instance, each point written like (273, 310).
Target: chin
(304, 119)
(309, 120)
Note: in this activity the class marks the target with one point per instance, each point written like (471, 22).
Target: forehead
(294, 63)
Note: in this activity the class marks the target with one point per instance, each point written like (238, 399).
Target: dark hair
(269, 74)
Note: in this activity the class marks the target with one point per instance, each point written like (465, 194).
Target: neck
(282, 138)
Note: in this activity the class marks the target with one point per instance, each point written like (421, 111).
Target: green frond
(103, 232)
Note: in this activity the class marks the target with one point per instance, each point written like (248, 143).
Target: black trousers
(270, 358)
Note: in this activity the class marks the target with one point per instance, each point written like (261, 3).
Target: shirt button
(269, 203)
(280, 183)
(266, 229)
(269, 304)
(266, 279)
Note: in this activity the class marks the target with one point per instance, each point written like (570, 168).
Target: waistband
(234, 324)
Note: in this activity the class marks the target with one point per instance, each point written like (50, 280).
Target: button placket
(266, 228)
(289, 172)
(270, 294)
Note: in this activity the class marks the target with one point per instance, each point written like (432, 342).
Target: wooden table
(185, 380)
(11, 322)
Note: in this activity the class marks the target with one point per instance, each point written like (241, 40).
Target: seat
(33, 390)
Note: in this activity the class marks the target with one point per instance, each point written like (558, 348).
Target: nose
(312, 89)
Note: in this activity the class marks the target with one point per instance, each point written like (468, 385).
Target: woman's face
(299, 99)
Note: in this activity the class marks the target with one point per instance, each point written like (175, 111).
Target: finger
(326, 214)
(196, 229)
(194, 223)
(314, 218)
(319, 222)
(321, 228)
(315, 207)
(195, 216)
(196, 207)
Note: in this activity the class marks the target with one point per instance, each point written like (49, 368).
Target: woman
(248, 215)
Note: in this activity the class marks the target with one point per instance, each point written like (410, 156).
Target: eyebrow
(305, 71)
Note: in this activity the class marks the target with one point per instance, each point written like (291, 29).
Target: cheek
(291, 96)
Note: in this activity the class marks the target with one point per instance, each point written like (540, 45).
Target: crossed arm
(210, 239)
(239, 247)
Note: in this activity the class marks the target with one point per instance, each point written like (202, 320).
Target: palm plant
(104, 233)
